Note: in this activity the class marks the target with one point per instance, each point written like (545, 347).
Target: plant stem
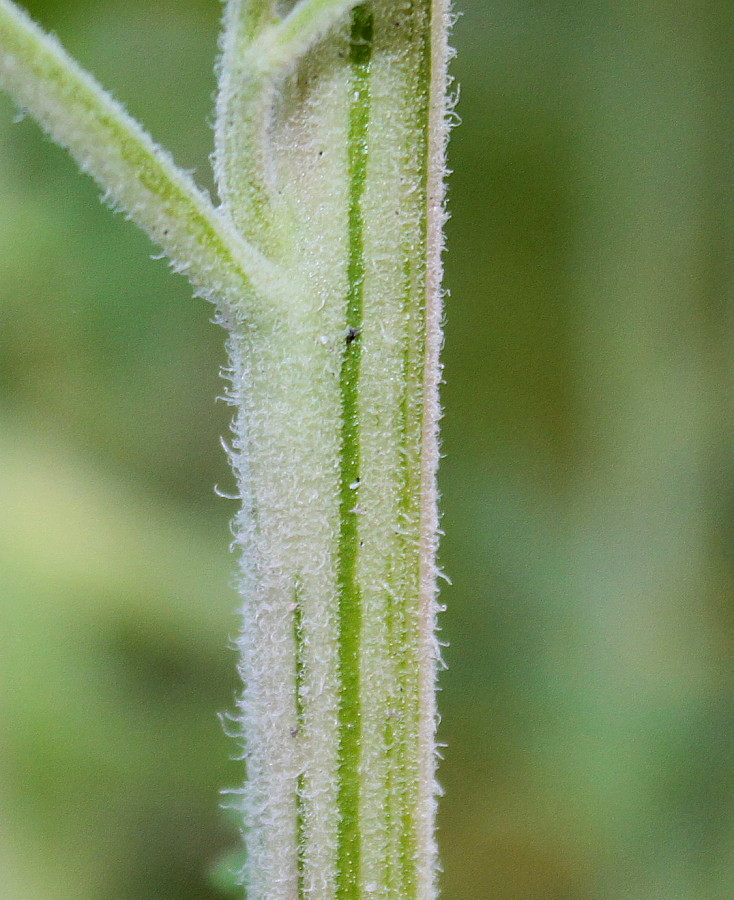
(326, 262)
(337, 711)
(135, 174)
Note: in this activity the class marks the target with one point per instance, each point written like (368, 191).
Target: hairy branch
(135, 174)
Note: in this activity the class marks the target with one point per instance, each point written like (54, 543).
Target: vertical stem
(330, 138)
(337, 436)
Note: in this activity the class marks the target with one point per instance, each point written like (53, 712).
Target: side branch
(135, 174)
(280, 47)
(241, 160)
(258, 48)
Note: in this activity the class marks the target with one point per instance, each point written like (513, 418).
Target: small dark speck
(353, 333)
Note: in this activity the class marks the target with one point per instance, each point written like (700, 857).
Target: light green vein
(299, 674)
(300, 839)
(350, 611)
(300, 664)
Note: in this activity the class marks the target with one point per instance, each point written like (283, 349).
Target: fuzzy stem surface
(325, 260)
(338, 649)
(135, 174)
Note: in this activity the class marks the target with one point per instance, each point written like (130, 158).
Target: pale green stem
(331, 162)
(338, 465)
(134, 173)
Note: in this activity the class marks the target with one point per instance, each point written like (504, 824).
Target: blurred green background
(588, 485)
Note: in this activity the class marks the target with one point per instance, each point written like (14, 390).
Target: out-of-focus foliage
(588, 485)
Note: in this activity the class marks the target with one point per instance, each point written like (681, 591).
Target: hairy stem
(134, 173)
(339, 802)
(329, 158)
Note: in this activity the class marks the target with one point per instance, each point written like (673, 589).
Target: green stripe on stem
(350, 612)
(299, 674)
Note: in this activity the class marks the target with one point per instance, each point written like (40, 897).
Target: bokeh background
(588, 484)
